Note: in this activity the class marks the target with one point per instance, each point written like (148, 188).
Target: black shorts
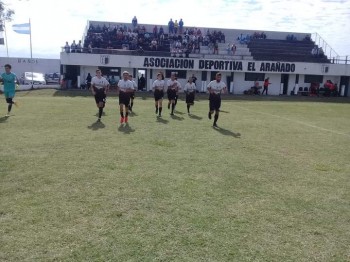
(124, 98)
(171, 94)
(100, 95)
(132, 95)
(158, 94)
(190, 98)
(214, 102)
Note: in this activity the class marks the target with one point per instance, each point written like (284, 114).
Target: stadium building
(293, 62)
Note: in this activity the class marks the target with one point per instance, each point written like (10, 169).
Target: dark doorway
(344, 80)
(284, 81)
(71, 74)
(141, 79)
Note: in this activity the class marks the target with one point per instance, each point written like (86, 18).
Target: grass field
(272, 184)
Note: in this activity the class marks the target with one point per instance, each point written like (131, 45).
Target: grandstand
(287, 58)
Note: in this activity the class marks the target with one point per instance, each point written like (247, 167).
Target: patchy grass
(272, 184)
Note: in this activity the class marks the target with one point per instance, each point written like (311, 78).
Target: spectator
(171, 26)
(233, 48)
(228, 49)
(142, 83)
(320, 52)
(194, 79)
(88, 81)
(216, 48)
(67, 48)
(161, 30)
(155, 31)
(181, 26)
(176, 26)
(314, 51)
(307, 38)
(73, 47)
(154, 46)
(79, 47)
(134, 22)
(90, 48)
(266, 85)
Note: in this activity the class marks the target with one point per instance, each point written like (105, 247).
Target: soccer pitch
(271, 184)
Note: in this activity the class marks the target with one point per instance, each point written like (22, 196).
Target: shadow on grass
(179, 113)
(226, 132)
(161, 120)
(195, 117)
(96, 126)
(133, 114)
(103, 114)
(126, 129)
(3, 119)
(223, 111)
(175, 117)
(203, 96)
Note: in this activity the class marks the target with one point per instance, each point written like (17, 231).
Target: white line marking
(296, 121)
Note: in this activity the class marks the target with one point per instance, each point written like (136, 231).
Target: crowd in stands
(190, 40)
(74, 47)
(317, 52)
(178, 40)
(245, 39)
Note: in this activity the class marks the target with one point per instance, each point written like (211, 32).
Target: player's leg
(126, 103)
(211, 106)
(121, 107)
(160, 106)
(9, 105)
(217, 110)
(121, 110)
(156, 98)
(100, 110)
(169, 100)
(176, 96)
(131, 103)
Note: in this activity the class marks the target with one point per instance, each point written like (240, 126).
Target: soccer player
(158, 89)
(99, 89)
(173, 86)
(178, 87)
(215, 88)
(132, 94)
(125, 88)
(10, 80)
(190, 90)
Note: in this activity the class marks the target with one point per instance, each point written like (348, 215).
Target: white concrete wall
(138, 62)
(40, 65)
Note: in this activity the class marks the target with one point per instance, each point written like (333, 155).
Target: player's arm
(118, 88)
(93, 86)
(107, 88)
(178, 87)
(209, 89)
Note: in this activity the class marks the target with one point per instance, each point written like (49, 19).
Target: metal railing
(332, 55)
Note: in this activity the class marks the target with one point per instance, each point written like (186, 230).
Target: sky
(55, 22)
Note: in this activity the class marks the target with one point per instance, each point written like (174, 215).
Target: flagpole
(31, 50)
(7, 47)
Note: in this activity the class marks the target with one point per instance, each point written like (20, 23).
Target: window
(254, 77)
(313, 79)
(179, 73)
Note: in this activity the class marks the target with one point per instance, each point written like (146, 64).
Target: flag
(22, 28)
(2, 42)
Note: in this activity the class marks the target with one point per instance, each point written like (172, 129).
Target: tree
(5, 13)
